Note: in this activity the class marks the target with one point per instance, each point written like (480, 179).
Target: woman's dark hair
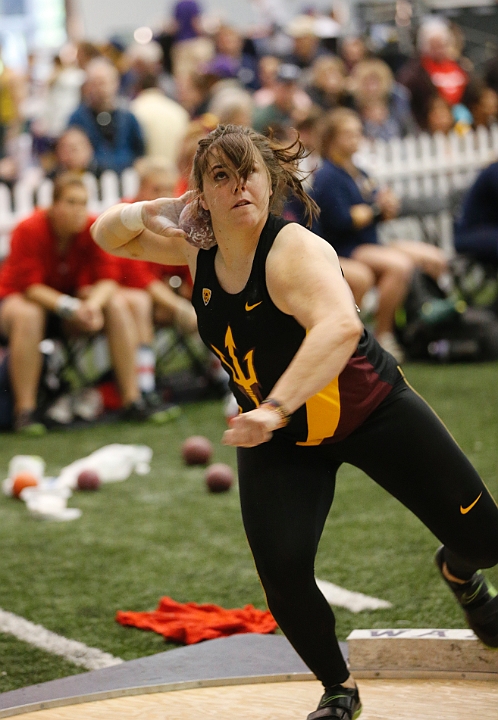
(242, 147)
(473, 93)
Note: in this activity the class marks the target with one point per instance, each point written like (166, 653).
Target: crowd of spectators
(112, 107)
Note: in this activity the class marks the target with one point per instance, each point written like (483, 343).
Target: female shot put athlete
(314, 388)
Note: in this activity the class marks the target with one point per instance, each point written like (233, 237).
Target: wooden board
(382, 700)
(426, 651)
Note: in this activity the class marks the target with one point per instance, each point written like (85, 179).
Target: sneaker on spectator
(141, 411)
(61, 411)
(25, 423)
(88, 403)
(388, 342)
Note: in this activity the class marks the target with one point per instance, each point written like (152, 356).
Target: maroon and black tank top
(256, 342)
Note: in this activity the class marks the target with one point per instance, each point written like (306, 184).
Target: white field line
(72, 650)
(354, 601)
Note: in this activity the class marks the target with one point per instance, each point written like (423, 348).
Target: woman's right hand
(161, 216)
(252, 428)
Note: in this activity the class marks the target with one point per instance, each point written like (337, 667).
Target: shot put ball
(23, 480)
(197, 450)
(88, 480)
(219, 477)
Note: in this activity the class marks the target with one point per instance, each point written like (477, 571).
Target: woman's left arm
(304, 280)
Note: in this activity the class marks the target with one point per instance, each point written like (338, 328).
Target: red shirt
(448, 77)
(161, 271)
(135, 273)
(34, 259)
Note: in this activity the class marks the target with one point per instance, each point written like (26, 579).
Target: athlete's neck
(235, 256)
(237, 245)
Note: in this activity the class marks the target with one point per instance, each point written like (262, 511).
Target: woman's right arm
(145, 231)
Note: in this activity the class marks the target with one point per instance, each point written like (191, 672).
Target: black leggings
(286, 492)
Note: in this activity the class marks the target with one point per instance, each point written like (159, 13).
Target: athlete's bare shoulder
(294, 245)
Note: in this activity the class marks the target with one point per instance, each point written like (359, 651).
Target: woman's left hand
(252, 428)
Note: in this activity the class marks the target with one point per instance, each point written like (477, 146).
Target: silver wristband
(66, 306)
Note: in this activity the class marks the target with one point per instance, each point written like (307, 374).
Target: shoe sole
(354, 717)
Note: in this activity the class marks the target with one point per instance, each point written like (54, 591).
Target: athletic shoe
(140, 411)
(25, 423)
(338, 702)
(479, 601)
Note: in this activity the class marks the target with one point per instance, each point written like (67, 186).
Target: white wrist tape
(131, 216)
(66, 306)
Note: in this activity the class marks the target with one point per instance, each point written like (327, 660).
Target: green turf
(163, 534)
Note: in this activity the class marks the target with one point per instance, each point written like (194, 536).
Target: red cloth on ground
(190, 623)
(34, 259)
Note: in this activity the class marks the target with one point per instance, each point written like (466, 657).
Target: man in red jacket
(434, 72)
(55, 269)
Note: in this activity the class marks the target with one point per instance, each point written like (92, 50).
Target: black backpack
(434, 327)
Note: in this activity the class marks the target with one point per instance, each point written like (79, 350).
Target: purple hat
(223, 66)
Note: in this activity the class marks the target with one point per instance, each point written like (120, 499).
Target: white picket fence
(415, 167)
(30, 192)
(431, 166)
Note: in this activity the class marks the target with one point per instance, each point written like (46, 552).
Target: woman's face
(370, 85)
(231, 199)
(439, 117)
(330, 79)
(347, 138)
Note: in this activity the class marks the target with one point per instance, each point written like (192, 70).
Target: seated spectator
(350, 207)
(232, 106)
(328, 87)
(190, 48)
(163, 121)
(482, 103)
(113, 131)
(476, 230)
(73, 153)
(229, 44)
(434, 71)
(440, 118)
(86, 52)
(306, 43)
(55, 275)
(309, 134)
(352, 50)
(216, 75)
(62, 95)
(140, 62)
(268, 66)
(289, 104)
(383, 105)
(12, 93)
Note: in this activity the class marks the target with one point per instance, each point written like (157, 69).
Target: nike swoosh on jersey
(464, 511)
(251, 307)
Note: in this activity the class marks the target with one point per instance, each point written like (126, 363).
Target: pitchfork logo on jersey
(246, 382)
(206, 295)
